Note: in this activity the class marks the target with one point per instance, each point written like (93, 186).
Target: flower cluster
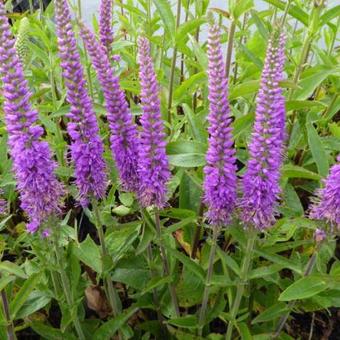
(105, 24)
(153, 167)
(86, 148)
(40, 191)
(124, 138)
(328, 199)
(261, 181)
(220, 171)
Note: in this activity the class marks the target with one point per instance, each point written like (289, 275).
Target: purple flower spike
(40, 191)
(105, 24)
(124, 138)
(327, 206)
(261, 181)
(87, 147)
(220, 171)
(153, 164)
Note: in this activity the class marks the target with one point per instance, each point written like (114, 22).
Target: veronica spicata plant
(40, 191)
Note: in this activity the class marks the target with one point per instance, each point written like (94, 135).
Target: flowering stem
(246, 266)
(201, 319)
(309, 268)
(154, 291)
(198, 231)
(230, 47)
(166, 267)
(173, 64)
(5, 305)
(111, 294)
(66, 286)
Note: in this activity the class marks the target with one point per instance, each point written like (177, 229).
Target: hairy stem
(203, 311)
(246, 266)
(10, 327)
(166, 267)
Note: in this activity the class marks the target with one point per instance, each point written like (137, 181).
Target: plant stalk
(10, 327)
(246, 266)
(66, 286)
(203, 311)
(309, 268)
(197, 231)
(173, 64)
(230, 48)
(166, 266)
(111, 294)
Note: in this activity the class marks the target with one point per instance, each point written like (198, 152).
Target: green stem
(111, 294)
(198, 231)
(5, 305)
(203, 311)
(246, 266)
(309, 268)
(230, 48)
(66, 287)
(166, 267)
(173, 64)
(30, 3)
(154, 291)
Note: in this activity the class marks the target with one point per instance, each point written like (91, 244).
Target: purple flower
(105, 24)
(40, 191)
(220, 171)
(327, 206)
(153, 164)
(261, 181)
(124, 138)
(87, 147)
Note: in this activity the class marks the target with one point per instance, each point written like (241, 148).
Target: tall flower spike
(153, 164)
(105, 24)
(87, 147)
(220, 171)
(40, 191)
(261, 181)
(124, 138)
(327, 206)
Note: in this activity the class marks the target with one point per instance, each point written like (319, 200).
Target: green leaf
(199, 53)
(265, 271)
(165, 11)
(329, 15)
(310, 83)
(188, 321)
(189, 86)
(295, 171)
(241, 7)
(260, 26)
(23, 294)
(4, 281)
(109, 328)
(243, 89)
(271, 313)
(12, 268)
(134, 277)
(34, 302)
(196, 124)
(294, 11)
(189, 160)
(189, 263)
(319, 154)
(303, 104)
(304, 288)
(187, 27)
(50, 333)
(88, 252)
(156, 282)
